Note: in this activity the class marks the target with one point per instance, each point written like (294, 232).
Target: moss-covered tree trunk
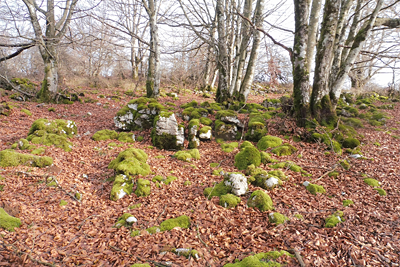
(301, 87)
(321, 107)
(49, 88)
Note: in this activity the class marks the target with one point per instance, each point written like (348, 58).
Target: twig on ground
(198, 235)
(298, 257)
(326, 173)
(161, 214)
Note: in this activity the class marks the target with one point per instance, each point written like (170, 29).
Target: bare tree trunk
(134, 60)
(312, 32)
(321, 107)
(301, 87)
(251, 66)
(153, 73)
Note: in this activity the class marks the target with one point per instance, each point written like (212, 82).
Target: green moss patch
(260, 200)
(170, 179)
(143, 188)
(218, 190)
(9, 158)
(347, 202)
(314, 189)
(261, 259)
(351, 143)
(334, 219)
(284, 150)
(266, 158)
(187, 155)
(229, 201)
(8, 222)
(125, 220)
(372, 182)
(206, 121)
(140, 265)
(229, 147)
(277, 218)
(269, 142)
(381, 192)
(333, 174)
(345, 164)
(63, 203)
(122, 186)
(181, 221)
(131, 161)
(27, 112)
(247, 156)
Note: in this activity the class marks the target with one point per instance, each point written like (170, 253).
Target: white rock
(355, 156)
(87, 133)
(272, 182)
(131, 219)
(271, 215)
(238, 183)
(121, 194)
(99, 104)
(89, 113)
(206, 135)
(306, 183)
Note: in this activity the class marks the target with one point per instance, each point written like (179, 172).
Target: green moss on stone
(143, 188)
(299, 216)
(277, 218)
(247, 156)
(245, 144)
(351, 143)
(284, 150)
(126, 137)
(181, 221)
(261, 260)
(266, 158)
(187, 183)
(135, 206)
(157, 178)
(345, 164)
(131, 161)
(314, 189)
(122, 186)
(334, 174)
(27, 112)
(269, 142)
(8, 222)
(51, 139)
(63, 203)
(122, 221)
(347, 202)
(260, 200)
(139, 264)
(334, 219)
(188, 155)
(9, 158)
(381, 192)
(218, 190)
(206, 121)
(229, 147)
(229, 201)
(372, 182)
(170, 179)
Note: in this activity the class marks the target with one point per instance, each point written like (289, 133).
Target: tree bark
(312, 32)
(301, 87)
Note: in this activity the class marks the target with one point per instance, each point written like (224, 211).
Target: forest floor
(83, 233)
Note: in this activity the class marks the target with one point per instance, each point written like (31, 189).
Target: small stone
(89, 114)
(87, 133)
(306, 183)
(131, 220)
(99, 104)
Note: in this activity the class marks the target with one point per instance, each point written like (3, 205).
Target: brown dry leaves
(82, 232)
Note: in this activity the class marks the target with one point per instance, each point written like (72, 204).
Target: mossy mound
(333, 174)
(284, 150)
(347, 202)
(314, 189)
(353, 122)
(192, 104)
(260, 200)
(351, 143)
(206, 121)
(257, 126)
(138, 114)
(328, 140)
(131, 161)
(334, 219)
(187, 155)
(6, 109)
(246, 144)
(126, 137)
(205, 133)
(372, 182)
(194, 113)
(193, 128)
(277, 218)
(266, 158)
(27, 112)
(345, 164)
(247, 156)
(269, 142)
(8, 222)
(122, 186)
(23, 144)
(218, 190)
(170, 179)
(143, 188)
(140, 265)
(261, 260)
(54, 133)
(181, 221)
(291, 166)
(125, 220)
(105, 135)
(229, 147)
(9, 158)
(381, 192)
(229, 201)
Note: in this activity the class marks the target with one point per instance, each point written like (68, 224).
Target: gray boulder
(167, 134)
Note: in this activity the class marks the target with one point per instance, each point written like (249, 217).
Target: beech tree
(345, 27)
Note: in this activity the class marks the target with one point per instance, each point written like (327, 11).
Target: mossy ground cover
(247, 229)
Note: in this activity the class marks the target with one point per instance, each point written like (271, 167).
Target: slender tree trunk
(301, 87)
(321, 107)
(153, 73)
(223, 57)
(134, 60)
(251, 66)
(312, 32)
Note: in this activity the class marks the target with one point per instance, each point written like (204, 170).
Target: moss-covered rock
(333, 174)
(246, 144)
(23, 144)
(9, 158)
(138, 114)
(347, 202)
(170, 179)
(269, 142)
(266, 158)
(226, 131)
(380, 191)
(257, 127)
(105, 135)
(205, 133)
(229, 147)
(277, 218)
(218, 190)
(143, 188)
(8, 222)
(122, 186)
(126, 137)
(261, 260)
(229, 201)
(372, 182)
(345, 164)
(314, 189)
(334, 219)
(284, 150)
(125, 220)
(247, 156)
(206, 121)
(260, 200)
(188, 155)
(131, 161)
(193, 129)
(194, 113)
(27, 112)
(167, 134)
(181, 221)
(351, 143)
